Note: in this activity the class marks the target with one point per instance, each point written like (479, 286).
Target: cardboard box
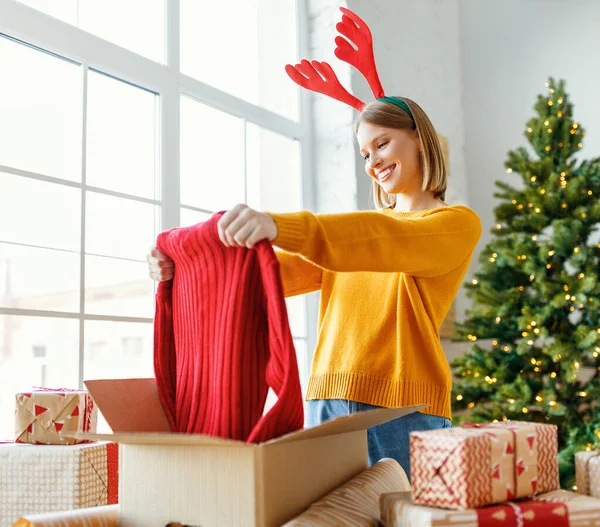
(208, 481)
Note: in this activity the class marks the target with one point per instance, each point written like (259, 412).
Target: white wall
(417, 51)
(476, 68)
(509, 48)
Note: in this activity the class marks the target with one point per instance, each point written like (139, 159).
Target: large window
(119, 120)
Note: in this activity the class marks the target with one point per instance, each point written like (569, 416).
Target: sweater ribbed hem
(290, 228)
(381, 392)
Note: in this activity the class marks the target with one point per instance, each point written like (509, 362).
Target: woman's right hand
(160, 267)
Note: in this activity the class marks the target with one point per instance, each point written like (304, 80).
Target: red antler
(320, 77)
(357, 32)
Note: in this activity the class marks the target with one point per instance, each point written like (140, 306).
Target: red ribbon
(112, 454)
(528, 513)
(468, 424)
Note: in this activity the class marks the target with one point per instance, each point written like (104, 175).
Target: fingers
(160, 274)
(160, 267)
(225, 235)
(237, 229)
(244, 227)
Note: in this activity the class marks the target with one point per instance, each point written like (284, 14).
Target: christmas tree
(535, 320)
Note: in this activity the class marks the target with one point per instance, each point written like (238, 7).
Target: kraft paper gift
(587, 472)
(476, 465)
(559, 508)
(42, 414)
(38, 479)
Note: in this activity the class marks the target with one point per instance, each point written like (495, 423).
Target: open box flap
(129, 405)
(135, 414)
(348, 423)
(146, 438)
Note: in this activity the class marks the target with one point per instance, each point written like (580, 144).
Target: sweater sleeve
(298, 275)
(430, 244)
(165, 362)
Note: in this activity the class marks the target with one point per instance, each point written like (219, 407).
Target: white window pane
(32, 278)
(137, 25)
(274, 172)
(39, 213)
(212, 157)
(190, 217)
(40, 112)
(35, 351)
(119, 227)
(65, 10)
(118, 287)
(121, 136)
(244, 54)
(296, 312)
(118, 350)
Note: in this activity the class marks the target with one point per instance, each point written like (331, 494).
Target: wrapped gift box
(587, 472)
(42, 414)
(39, 479)
(476, 465)
(559, 508)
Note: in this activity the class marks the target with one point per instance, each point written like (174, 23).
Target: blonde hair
(389, 115)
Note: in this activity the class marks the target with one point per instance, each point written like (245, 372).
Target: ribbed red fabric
(222, 337)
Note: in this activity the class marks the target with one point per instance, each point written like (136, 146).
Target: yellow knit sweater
(387, 281)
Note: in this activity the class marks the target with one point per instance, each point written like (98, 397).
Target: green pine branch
(535, 319)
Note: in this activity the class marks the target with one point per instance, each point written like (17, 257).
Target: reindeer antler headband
(320, 77)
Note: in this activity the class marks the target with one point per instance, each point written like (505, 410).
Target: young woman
(387, 277)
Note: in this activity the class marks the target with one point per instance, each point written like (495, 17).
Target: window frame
(37, 29)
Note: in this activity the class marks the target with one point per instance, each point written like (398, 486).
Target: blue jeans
(390, 439)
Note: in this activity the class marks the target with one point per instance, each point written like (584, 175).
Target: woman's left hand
(244, 227)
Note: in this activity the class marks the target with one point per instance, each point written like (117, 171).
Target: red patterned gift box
(42, 414)
(559, 508)
(476, 465)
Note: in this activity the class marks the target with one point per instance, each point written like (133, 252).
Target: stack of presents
(60, 472)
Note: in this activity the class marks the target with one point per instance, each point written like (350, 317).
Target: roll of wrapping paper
(356, 503)
(107, 516)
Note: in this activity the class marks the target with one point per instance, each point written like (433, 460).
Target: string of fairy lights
(531, 333)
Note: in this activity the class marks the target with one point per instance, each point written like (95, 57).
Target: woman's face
(391, 157)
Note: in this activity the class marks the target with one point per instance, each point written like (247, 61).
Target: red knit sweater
(221, 338)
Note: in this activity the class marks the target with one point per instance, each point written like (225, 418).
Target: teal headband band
(399, 103)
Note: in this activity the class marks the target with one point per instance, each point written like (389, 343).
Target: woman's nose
(374, 162)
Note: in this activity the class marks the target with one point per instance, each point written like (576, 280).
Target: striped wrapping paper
(107, 516)
(356, 503)
(476, 465)
(559, 508)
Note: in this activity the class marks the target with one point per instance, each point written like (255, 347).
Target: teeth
(385, 173)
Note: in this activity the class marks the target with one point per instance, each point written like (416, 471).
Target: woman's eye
(381, 145)
(366, 157)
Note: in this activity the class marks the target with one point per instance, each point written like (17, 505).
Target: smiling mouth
(384, 174)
